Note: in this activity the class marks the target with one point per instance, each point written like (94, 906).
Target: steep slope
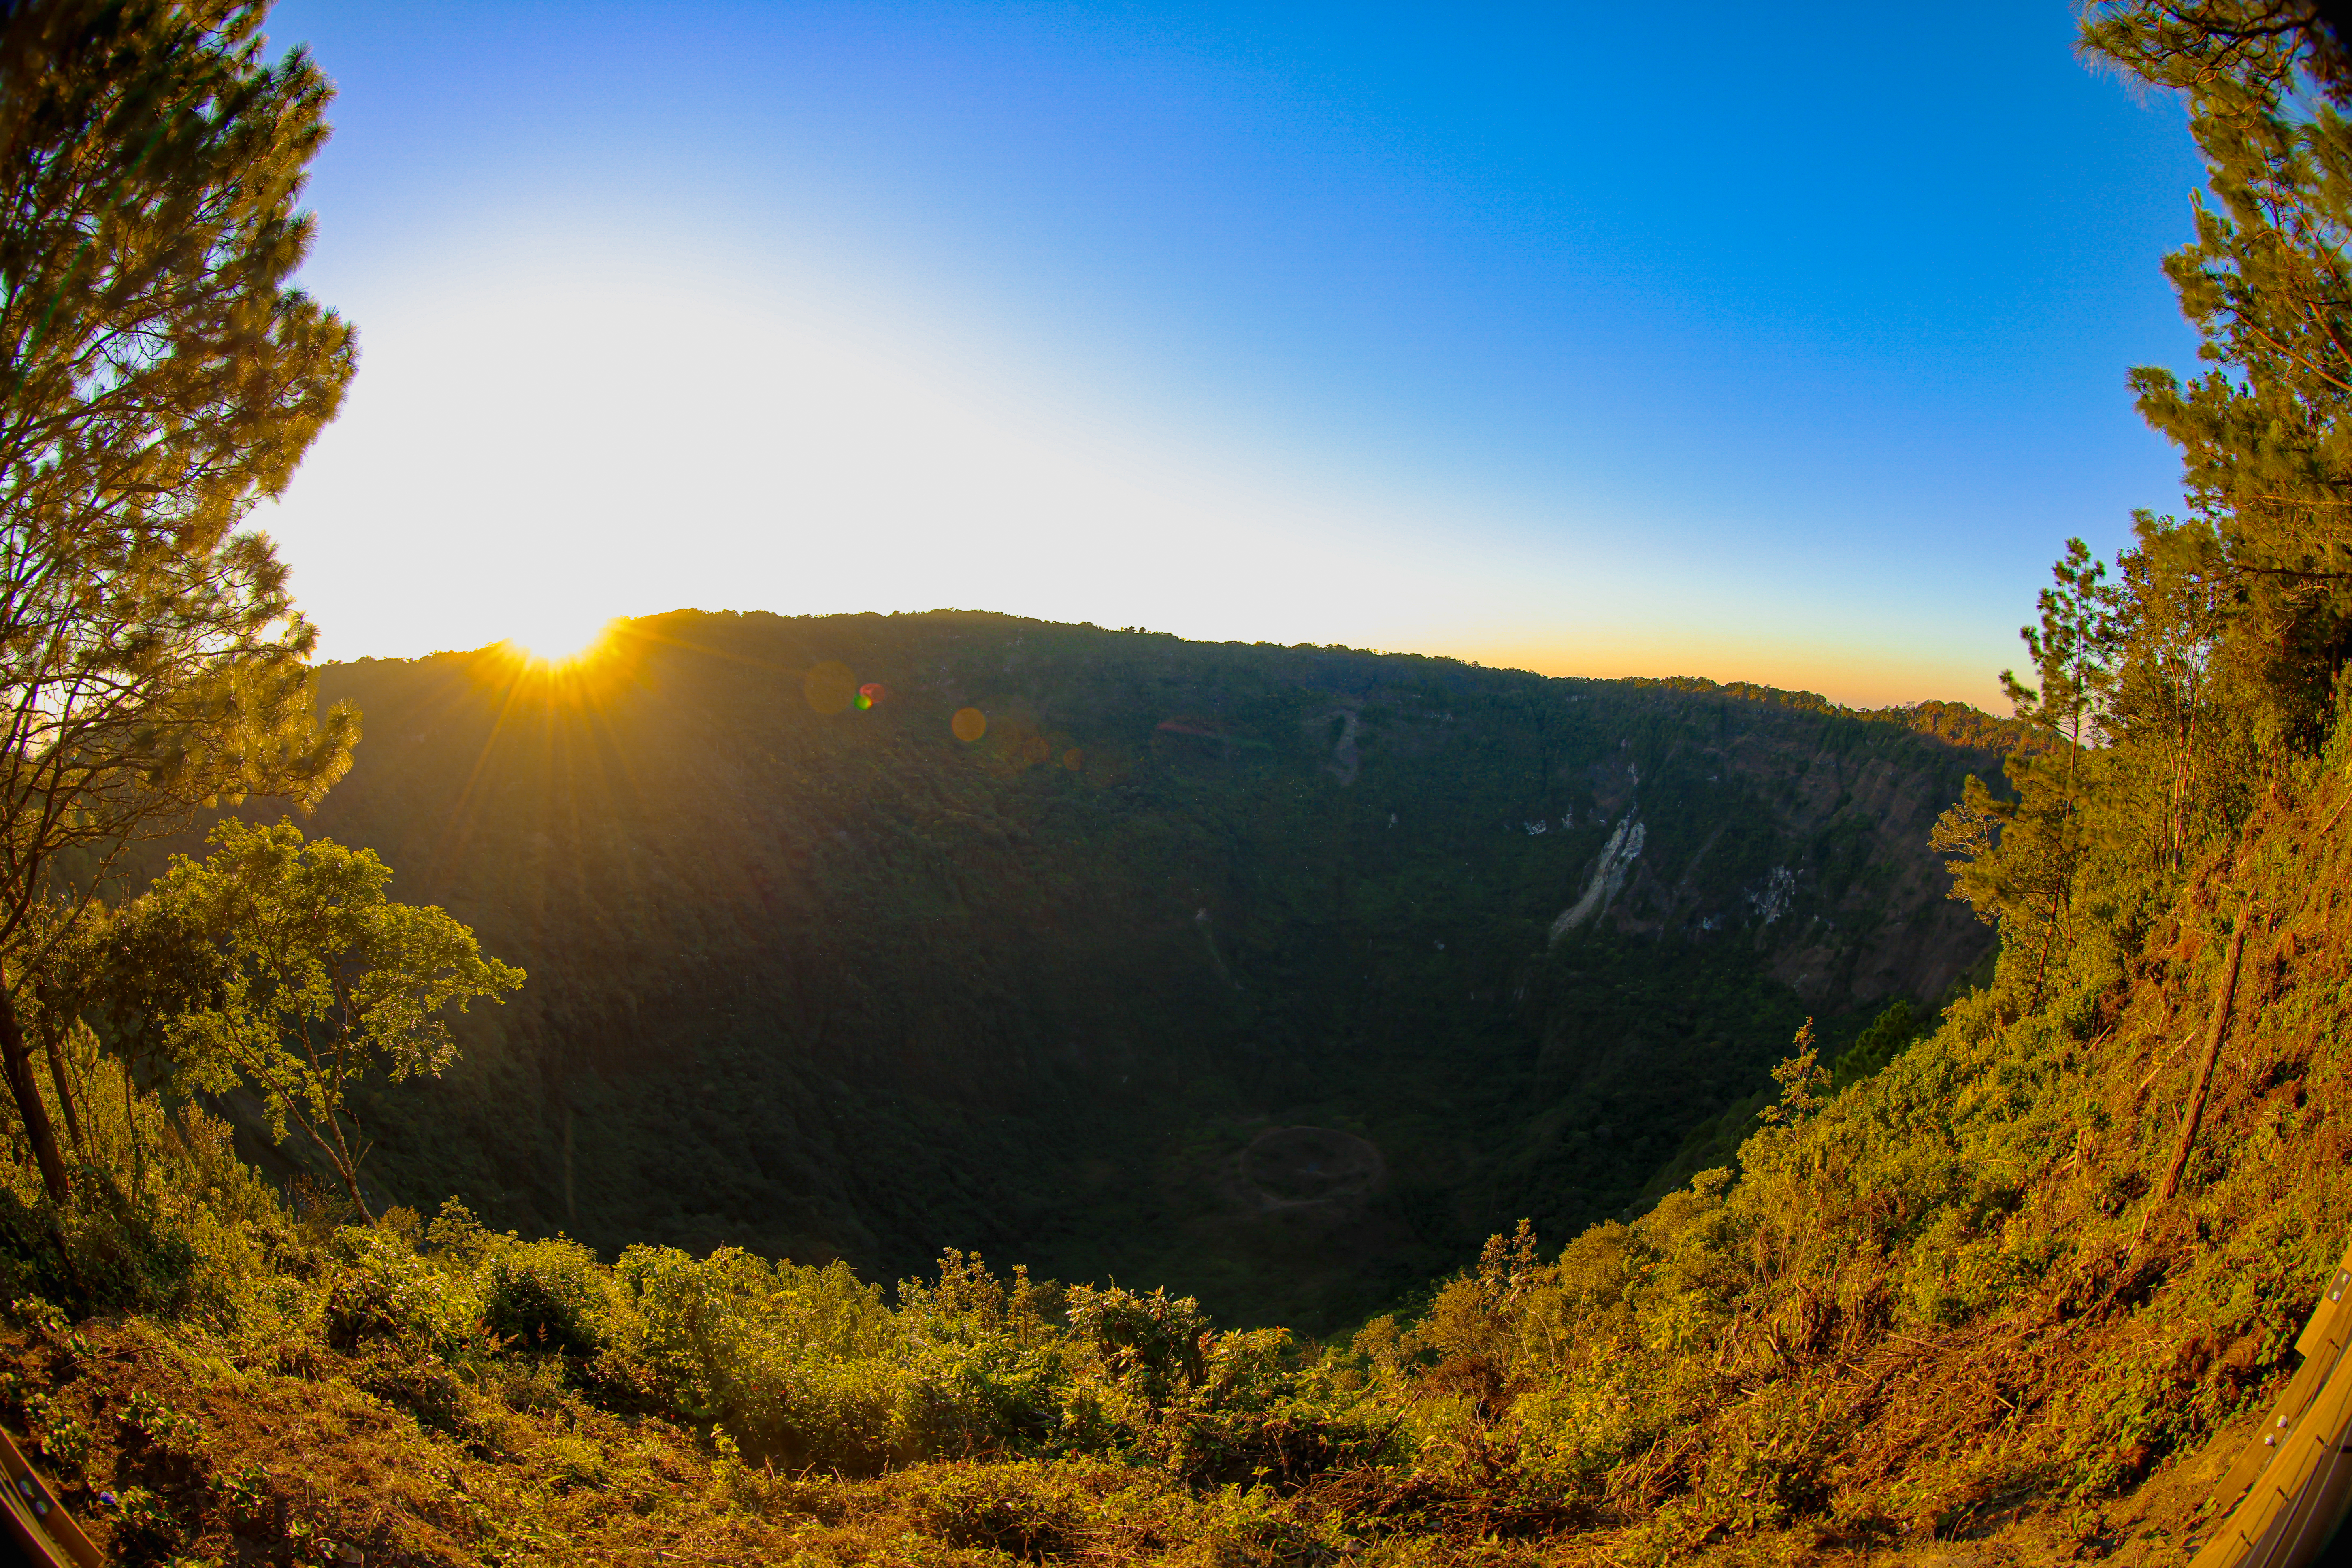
(1957, 1303)
(1278, 975)
(1946, 1316)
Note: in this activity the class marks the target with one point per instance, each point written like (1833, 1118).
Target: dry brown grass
(290, 1453)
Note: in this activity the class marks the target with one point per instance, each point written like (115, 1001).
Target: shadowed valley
(837, 984)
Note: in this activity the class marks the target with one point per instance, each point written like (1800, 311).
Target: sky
(1784, 344)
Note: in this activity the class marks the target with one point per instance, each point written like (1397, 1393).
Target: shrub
(1027, 1511)
(1264, 1412)
(990, 1394)
(1150, 1346)
(549, 1294)
(102, 1254)
(794, 1362)
(989, 1372)
(383, 1289)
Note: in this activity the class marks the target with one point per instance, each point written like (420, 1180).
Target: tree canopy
(2265, 447)
(159, 376)
(282, 965)
(2194, 686)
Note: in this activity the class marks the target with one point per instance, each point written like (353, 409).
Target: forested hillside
(1279, 975)
(1299, 979)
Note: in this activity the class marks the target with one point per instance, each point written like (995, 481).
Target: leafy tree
(157, 378)
(125, 973)
(2170, 701)
(2074, 651)
(309, 978)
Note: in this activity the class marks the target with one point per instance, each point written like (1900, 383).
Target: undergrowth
(1931, 1304)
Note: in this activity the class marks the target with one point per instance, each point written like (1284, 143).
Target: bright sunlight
(556, 634)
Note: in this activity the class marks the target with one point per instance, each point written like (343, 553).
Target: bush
(795, 1363)
(1266, 1412)
(385, 1290)
(1150, 1346)
(551, 1296)
(188, 1230)
(1027, 1511)
(1888, 1036)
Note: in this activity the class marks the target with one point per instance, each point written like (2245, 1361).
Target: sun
(555, 635)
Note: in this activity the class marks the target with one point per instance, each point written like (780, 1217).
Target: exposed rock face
(1608, 872)
(1857, 912)
(826, 980)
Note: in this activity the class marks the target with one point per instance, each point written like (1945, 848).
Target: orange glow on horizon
(1856, 676)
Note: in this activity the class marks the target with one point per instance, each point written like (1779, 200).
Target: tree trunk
(338, 1155)
(17, 1064)
(2059, 890)
(2214, 1036)
(131, 1130)
(350, 1176)
(64, 1088)
(2049, 940)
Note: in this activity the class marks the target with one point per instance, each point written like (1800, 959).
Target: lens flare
(968, 724)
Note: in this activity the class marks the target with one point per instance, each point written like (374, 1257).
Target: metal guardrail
(37, 1521)
(2290, 1491)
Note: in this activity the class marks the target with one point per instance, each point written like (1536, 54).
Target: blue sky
(1784, 345)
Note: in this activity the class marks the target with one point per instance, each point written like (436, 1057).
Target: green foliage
(60, 1440)
(2016, 860)
(1150, 1346)
(144, 1528)
(1937, 1283)
(188, 1240)
(383, 1290)
(1803, 1082)
(1238, 1406)
(162, 379)
(547, 1296)
(1879, 1044)
(789, 1359)
(2197, 759)
(157, 1424)
(1714, 1371)
(2209, 673)
(1263, 1411)
(1027, 1511)
(2266, 281)
(282, 965)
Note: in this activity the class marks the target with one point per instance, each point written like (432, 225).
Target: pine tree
(2266, 448)
(2187, 760)
(2017, 860)
(2166, 699)
(158, 376)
